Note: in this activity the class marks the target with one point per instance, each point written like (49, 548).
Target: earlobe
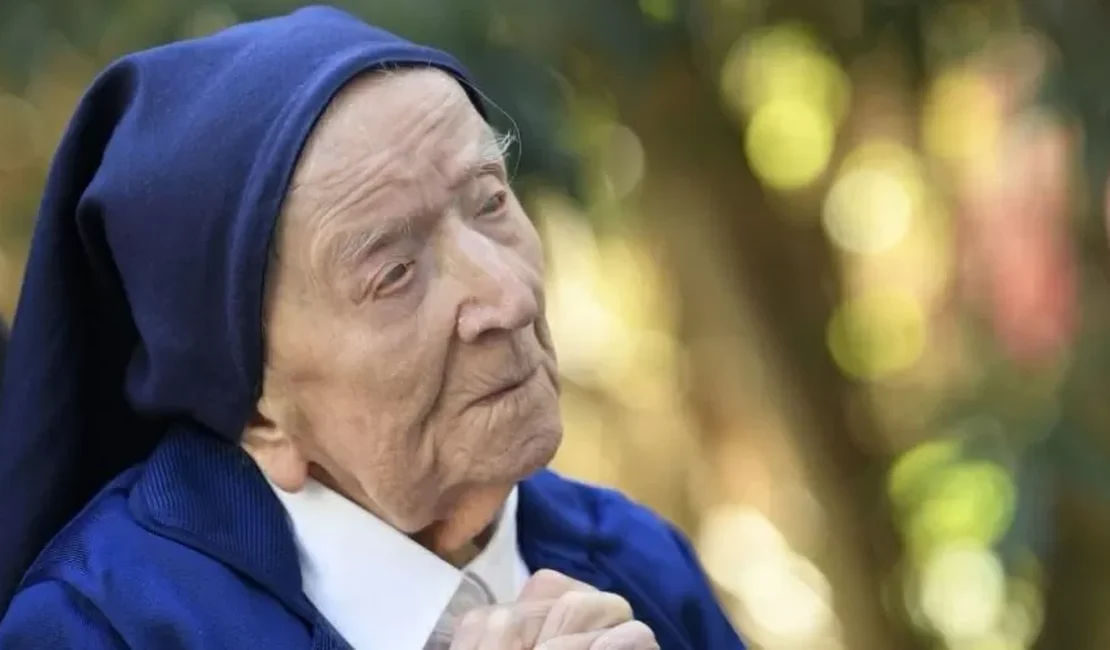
(276, 454)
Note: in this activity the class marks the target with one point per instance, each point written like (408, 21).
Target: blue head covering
(142, 299)
(3, 345)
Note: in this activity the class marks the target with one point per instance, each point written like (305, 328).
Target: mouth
(507, 389)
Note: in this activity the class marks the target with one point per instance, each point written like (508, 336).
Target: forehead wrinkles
(377, 120)
(384, 128)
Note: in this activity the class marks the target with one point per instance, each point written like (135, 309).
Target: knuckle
(619, 606)
(547, 583)
(633, 635)
(499, 620)
(529, 619)
(641, 637)
(548, 577)
(640, 630)
(573, 601)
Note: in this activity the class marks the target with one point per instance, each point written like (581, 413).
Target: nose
(500, 289)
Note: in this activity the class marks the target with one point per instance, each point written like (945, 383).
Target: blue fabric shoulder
(106, 582)
(604, 538)
(53, 615)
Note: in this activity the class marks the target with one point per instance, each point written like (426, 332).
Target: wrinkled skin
(555, 612)
(409, 365)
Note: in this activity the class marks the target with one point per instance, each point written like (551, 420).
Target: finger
(579, 611)
(471, 629)
(546, 584)
(580, 641)
(528, 620)
(501, 631)
(632, 635)
(501, 626)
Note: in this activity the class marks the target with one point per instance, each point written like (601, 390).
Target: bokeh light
(868, 211)
(726, 192)
(20, 134)
(871, 206)
(793, 96)
(784, 597)
(784, 62)
(877, 334)
(963, 592)
(962, 117)
(970, 501)
(789, 143)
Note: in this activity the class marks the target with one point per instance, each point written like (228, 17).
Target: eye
(394, 277)
(494, 204)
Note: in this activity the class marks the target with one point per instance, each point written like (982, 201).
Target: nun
(280, 378)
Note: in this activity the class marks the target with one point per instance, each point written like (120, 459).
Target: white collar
(378, 588)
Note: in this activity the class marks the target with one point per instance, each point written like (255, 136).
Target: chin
(521, 447)
(539, 450)
(537, 432)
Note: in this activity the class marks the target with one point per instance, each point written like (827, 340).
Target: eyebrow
(354, 245)
(346, 249)
(489, 155)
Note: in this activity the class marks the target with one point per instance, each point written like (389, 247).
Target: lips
(507, 388)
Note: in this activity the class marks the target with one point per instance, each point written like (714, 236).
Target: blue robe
(138, 344)
(191, 550)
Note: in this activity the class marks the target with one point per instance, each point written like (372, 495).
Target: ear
(274, 450)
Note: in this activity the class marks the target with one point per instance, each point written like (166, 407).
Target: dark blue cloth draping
(136, 353)
(191, 550)
(142, 299)
(3, 345)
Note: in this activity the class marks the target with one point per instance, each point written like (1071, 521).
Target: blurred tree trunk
(710, 217)
(1077, 596)
(1076, 599)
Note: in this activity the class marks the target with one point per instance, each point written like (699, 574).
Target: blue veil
(142, 298)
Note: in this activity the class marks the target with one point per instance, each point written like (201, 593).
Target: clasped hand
(555, 612)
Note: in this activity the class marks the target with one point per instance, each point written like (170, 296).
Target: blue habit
(191, 551)
(130, 517)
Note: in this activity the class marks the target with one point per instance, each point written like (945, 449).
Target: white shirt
(379, 589)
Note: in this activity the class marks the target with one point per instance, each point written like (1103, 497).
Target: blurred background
(830, 281)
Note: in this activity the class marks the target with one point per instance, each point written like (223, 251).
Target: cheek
(533, 253)
(364, 414)
(384, 376)
(521, 236)
(530, 245)
(367, 380)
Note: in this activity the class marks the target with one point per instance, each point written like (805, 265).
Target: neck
(463, 555)
(457, 557)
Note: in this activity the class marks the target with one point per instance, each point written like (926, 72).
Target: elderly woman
(280, 376)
